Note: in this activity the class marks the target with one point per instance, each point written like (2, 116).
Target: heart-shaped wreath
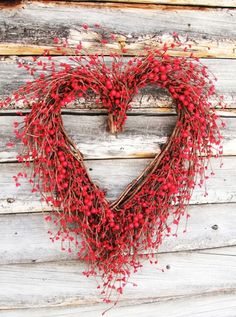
(113, 235)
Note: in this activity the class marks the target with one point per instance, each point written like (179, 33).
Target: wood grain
(205, 3)
(208, 3)
(12, 77)
(36, 24)
(143, 136)
(207, 305)
(113, 176)
(62, 283)
(209, 226)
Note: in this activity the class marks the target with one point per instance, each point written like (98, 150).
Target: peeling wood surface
(221, 188)
(36, 24)
(12, 77)
(197, 306)
(143, 136)
(56, 284)
(209, 226)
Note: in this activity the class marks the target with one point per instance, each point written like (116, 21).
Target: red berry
(163, 77)
(113, 93)
(108, 84)
(162, 68)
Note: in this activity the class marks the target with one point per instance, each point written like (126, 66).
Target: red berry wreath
(114, 234)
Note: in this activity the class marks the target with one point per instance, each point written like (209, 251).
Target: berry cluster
(113, 235)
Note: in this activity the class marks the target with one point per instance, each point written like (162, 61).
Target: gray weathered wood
(205, 305)
(113, 176)
(11, 77)
(38, 23)
(209, 226)
(210, 3)
(62, 283)
(143, 136)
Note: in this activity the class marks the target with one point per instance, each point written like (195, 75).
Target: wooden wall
(199, 279)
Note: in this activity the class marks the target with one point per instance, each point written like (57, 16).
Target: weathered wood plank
(221, 188)
(60, 284)
(11, 77)
(143, 136)
(38, 23)
(207, 3)
(207, 305)
(209, 226)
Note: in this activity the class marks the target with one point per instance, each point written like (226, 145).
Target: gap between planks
(154, 112)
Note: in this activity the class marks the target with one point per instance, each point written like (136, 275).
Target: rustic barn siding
(208, 228)
(204, 28)
(199, 278)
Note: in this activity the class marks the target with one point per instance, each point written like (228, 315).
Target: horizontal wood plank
(204, 28)
(207, 305)
(12, 77)
(143, 136)
(205, 3)
(113, 176)
(59, 284)
(209, 226)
